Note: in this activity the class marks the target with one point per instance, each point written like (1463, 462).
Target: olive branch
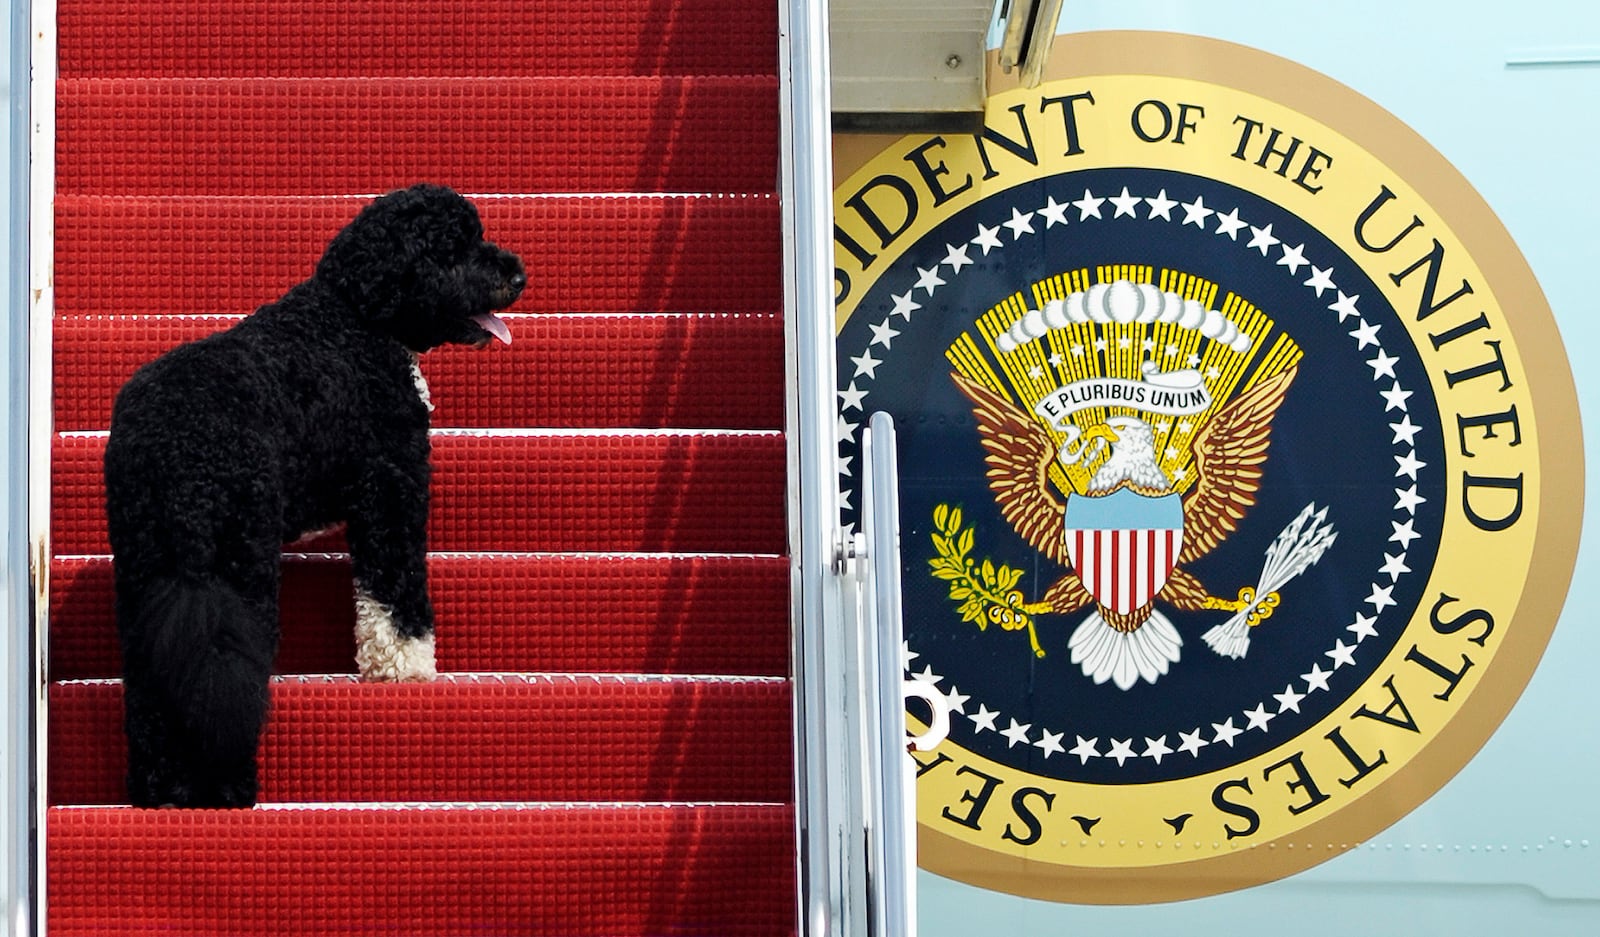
(987, 593)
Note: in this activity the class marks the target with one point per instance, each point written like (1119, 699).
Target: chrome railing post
(831, 893)
(21, 879)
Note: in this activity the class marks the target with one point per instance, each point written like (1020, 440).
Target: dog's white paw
(382, 654)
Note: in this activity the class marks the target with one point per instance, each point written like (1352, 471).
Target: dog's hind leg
(387, 533)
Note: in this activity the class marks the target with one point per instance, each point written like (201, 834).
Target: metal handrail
(830, 866)
(891, 816)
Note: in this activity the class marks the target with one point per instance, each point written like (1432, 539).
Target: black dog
(309, 413)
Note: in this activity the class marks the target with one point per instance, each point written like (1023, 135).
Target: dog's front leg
(387, 532)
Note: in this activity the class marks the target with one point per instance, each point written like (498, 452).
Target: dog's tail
(206, 652)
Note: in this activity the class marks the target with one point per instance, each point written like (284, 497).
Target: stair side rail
(28, 34)
(830, 858)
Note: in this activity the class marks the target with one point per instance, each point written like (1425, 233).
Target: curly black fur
(304, 415)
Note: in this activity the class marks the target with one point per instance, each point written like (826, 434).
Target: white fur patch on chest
(420, 383)
(382, 654)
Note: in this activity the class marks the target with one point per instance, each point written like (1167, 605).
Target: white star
(1125, 342)
(1226, 733)
(904, 306)
(1404, 533)
(1049, 742)
(929, 279)
(866, 364)
(1088, 206)
(851, 398)
(1171, 350)
(1395, 566)
(956, 257)
(1148, 344)
(1121, 750)
(1193, 360)
(1078, 351)
(1383, 365)
(1345, 306)
(1342, 654)
(1056, 360)
(1407, 499)
(1321, 280)
(1259, 717)
(987, 238)
(1381, 597)
(843, 465)
(1016, 734)
(1229, 224)
(1288, 700)
(1100, 344)
(845, 430)
(1362, 627)
(1196, 212)
(1317, 679)
(882, 334)
(1161, 206)
(1086, 749)
(1054, 212)
(1395, 397)
(983, 719)
(1019, 224)
(1155, 748)
(1408, 465)
(907, 655)
(1294, 258)
(1262, 239)
(957, 701)
(1366, 334)
(1406, 430)
(926, 675)
(1192, 743)
(1036, 372)
(1125, 206)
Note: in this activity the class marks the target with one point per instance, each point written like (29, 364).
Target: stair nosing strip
(466, 432)
(335, 555)
(519, 806)
(477, 678)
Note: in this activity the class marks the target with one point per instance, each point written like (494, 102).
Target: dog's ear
(395, 243)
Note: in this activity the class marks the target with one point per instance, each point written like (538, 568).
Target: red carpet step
(211, 255)
(303, 136)
(540, 613)
(584, 871)
(238, 38)
(647, 371)
(623, 491)
(488, 738)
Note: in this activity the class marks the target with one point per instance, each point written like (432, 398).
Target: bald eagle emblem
(1127, 479)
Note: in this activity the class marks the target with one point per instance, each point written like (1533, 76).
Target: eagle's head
(1132, 460)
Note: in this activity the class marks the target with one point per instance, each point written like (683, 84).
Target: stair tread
(645, 371)
(367, 135)
(665, 613)
(236, 38)
(474, 737)
(578, 870)
(117, 254)
(690, 491)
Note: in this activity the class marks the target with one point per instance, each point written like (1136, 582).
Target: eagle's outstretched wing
(1019, 453)
(1228, 454)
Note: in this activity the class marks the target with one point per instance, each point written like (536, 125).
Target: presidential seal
(1240, 467)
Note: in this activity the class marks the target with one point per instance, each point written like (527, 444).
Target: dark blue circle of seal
(1333, 443)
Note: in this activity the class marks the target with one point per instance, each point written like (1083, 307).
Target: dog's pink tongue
(495, 326)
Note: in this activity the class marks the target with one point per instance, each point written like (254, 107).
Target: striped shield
(1123, 545)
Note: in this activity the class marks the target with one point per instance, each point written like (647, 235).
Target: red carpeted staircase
(608, 749)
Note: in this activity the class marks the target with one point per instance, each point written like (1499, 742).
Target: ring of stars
(1318, 280)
